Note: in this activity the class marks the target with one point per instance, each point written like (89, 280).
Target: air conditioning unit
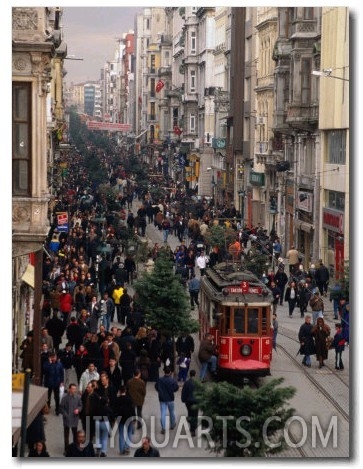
(260, 120)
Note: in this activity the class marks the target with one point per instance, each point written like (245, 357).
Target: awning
(38, 397)
(302, 225)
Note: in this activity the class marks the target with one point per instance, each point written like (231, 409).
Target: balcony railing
(302, 113)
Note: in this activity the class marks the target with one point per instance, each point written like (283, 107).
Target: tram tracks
(327, 382)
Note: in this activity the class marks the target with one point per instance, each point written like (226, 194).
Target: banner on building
(62, 222)
(110, 126)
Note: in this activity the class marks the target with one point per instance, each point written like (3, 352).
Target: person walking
(107, 405)
(276, 295)
(53, 378)
(275, 326)
(317, 306)
(88, 375)
(322, 278)
(146, 450)
(194, 287)
(306, 340)
(117, 293)
(55, 328)
(79, 448)
(27, 351)
(70, 408)
(291, 297)
(188, 398)
(185, 344)
(125, 410)
(202, 262)
(320, 332)
(339, 346)
(304, 297)
(66, 357)
(166, 387)
(335, 296)
(207, 356)
(39, 450)
(292, 257)
(136, 388)
(280, 278)
(165, 226)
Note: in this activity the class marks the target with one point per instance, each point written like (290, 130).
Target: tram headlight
(245, 350)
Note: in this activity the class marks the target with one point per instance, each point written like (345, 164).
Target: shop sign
(333, 220)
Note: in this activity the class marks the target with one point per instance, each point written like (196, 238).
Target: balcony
(151, 117)
(164, 71)
(303, 116)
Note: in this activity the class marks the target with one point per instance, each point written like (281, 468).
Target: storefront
(333, 225)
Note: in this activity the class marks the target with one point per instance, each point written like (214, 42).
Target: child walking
(339, 345)
(184, 363)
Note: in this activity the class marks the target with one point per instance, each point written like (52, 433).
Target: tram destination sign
(244, 287)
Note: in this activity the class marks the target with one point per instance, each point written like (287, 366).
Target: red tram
(235, 307)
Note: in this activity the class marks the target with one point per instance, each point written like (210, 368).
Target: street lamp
(326, 72)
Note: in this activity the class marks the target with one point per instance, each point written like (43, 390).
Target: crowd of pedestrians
(88, 274)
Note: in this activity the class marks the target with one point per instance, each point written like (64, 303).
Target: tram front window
(252, 321)
(239, 320)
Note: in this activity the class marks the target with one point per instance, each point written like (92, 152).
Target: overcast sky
(91, 34)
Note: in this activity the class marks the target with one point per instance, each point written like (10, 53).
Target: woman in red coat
(65, 303)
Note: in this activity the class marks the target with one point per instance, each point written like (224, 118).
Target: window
(336, 146)
(193, 42)
(308, 13)
(192, 81)
(336, 200)
(305, 81)
(152, 87)
(152, 64)
(192, 123)
(21, 139)
(167, 59)
(252, 326)
(239, 320)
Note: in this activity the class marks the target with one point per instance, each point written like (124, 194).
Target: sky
(91, 34)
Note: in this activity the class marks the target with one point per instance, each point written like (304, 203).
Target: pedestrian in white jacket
(88, 375)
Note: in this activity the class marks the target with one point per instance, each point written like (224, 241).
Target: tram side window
(239, 320)
(264, 321)
(253, 321)
(227, 320)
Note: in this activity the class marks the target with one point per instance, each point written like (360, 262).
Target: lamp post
(242, 195)
(213, 183)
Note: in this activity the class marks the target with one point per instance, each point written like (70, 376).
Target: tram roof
(221, 278)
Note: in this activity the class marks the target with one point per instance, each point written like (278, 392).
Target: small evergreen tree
(246, 422)
(164, 299)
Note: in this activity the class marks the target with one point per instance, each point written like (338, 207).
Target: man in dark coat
(322, 278)
(55, 328)
(80, 449)
(166, 387)
(185, 344)
(187, 396)
(74, 333)
(53, 378)
(281, 280)
(306, 340)
(146, 450)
